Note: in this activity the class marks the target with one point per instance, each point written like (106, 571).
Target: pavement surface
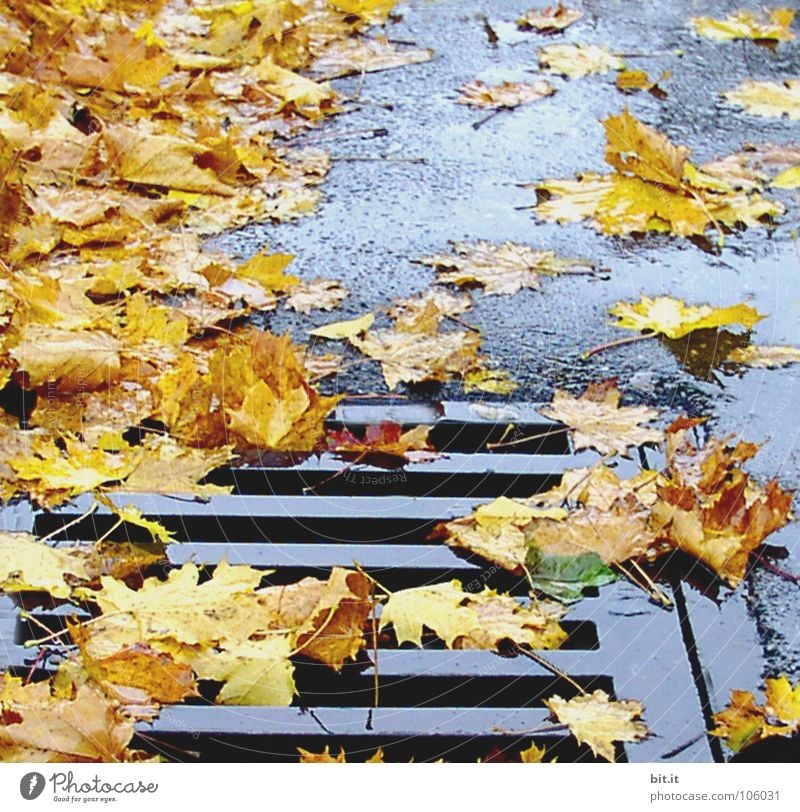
(432, 179)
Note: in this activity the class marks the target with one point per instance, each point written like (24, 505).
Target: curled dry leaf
(710, 508)
(673, 318)
(767, 99)
(769, 24)
(549, 20)
(597, 720)
(743, 722)
(501, 269)
(506, 95)
(598, 421)
(576, 61)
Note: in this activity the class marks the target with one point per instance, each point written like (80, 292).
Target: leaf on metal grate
(384, 444)
(466, 620)
(743, 722)
(36, 725)
(710, 508)
(599, 721)
(598, 421)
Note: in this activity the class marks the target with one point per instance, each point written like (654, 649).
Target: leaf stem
(619, 342)
(553, 669)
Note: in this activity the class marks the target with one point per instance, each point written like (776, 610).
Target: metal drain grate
(434, 703)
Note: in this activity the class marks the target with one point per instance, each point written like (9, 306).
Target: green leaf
(564, 577)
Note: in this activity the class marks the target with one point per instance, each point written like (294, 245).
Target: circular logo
(31, 785)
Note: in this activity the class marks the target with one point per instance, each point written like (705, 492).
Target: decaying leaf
(743, 722)
(36, 725)
(598, 421)
(506, 95)
(348, 57)
(549, 20)
(386, 441)
(768, 99)
(673, 318)
(769, 24)
(710, 508)
(575, 61)
(599, 721)
(501, 269)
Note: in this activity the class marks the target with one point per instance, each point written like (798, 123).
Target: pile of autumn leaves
(128, 133)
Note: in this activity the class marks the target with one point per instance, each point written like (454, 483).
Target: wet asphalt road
(442, 180)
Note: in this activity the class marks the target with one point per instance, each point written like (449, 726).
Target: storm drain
(302, 517)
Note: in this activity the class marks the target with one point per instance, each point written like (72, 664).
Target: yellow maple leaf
(27, 564)
(84, 727)
(768, 99)
(598, 721)
(575, 61)
(344, 329)
(598, 421)
(347, 57)
(501, 269)
(770, 24)
(673, 318)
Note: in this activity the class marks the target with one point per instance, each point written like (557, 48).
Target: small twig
(386, 158)
(75, 521)
(619, 342)
(343, 470)
(770, 567)
(34, 665)
(553, 669)
(654, 589)
(476, 125)
(529, 438)
(376, 678)
(374, 132)
(470, 327)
